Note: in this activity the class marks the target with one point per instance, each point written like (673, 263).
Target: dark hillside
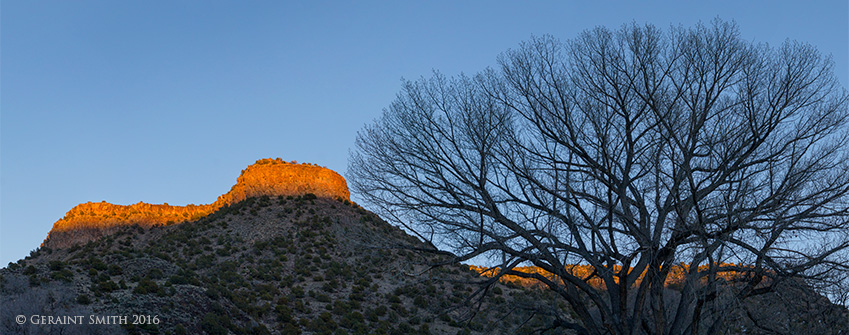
(267, 265)
(285, 252)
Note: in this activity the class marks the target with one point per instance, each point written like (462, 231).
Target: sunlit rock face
(275, 177)
(266, 177)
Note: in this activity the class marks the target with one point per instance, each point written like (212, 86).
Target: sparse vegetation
(305, 278)
(328, 271)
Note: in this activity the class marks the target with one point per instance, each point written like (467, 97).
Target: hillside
(282, 264)
(286, 252)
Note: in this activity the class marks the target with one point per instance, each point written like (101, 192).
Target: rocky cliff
(266, 177)
(263, 266)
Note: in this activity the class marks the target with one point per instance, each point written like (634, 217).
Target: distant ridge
(266, 177)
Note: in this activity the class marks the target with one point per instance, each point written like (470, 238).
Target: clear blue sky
(166, 101)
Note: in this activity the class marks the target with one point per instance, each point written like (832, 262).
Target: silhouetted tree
(631, 151)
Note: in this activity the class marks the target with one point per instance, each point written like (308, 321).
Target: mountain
(266, 177)
(283, 252)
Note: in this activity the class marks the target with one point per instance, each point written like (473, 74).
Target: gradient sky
(167, 101)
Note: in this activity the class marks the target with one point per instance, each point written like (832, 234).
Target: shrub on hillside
(146, 286)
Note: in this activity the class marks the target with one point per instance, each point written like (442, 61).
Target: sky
(167, 101)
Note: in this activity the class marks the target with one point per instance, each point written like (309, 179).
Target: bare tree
(650, 157)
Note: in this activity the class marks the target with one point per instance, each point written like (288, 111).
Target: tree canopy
(640, 152)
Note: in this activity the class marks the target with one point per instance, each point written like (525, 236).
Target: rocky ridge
(266, 177)
(286, 252)
(266, 265)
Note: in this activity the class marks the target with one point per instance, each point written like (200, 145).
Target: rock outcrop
(266, 177)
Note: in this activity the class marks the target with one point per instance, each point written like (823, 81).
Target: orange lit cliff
(677, 274)
(271, 177)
